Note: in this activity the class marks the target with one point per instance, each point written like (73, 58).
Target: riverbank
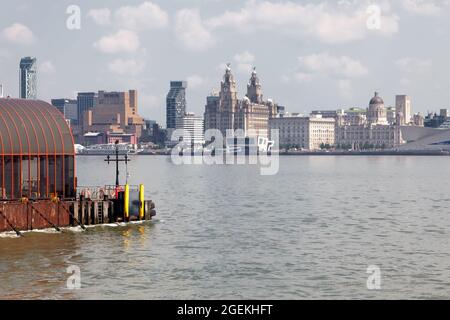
(368, 153)
(325, 153)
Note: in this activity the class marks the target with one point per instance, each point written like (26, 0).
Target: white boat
(110, 149)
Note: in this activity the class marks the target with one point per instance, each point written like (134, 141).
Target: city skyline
(316, 67)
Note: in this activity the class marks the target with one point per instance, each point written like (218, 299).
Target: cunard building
(225, 111)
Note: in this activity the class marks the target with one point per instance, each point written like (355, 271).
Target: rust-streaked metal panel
(33, 127)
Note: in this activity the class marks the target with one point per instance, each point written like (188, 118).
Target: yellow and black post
(141, 202)
(126, 203)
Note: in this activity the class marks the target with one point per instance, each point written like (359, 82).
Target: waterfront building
(38, 156)
(373, 132)
(308, 133)
(376, 114)
(175, 103)
(418, 119)
(434, 120)
(85, 101)
(1, 90)
(113, 137)
(194, 127)
(211, 114)
(115, 112)
(28, 78)
(69, 108)
(328, 113)
(403, 107)
(225, 111)
(391, 115)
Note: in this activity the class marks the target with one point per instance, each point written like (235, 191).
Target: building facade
(114, 112)
(373, 132)
(225, 111)
(28, 78)
(69, 108)
(194, 128)
(307, 133)
(175, 103)
(85, 101)
(403, 108)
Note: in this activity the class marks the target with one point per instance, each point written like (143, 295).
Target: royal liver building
(225, 111)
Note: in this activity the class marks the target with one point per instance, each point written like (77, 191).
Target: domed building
(376, 114)
(375, 132)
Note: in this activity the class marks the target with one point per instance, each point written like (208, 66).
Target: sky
(309, 55)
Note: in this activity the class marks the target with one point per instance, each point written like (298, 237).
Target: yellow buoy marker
(126, 204)
(141, 201)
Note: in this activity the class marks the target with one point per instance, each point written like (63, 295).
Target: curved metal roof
(33, 127)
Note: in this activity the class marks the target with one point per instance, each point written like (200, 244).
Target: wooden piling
(96, 220)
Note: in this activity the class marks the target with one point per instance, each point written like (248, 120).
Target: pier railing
(102, 192)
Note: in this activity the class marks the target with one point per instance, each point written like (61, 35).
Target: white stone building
(372, 133)
(403, 108)
(193, 126)
(307, 133)
(225, 111)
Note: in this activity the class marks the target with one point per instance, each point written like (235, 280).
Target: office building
(28, 78)
(403, 107)
(85, 102)
(69, 108)
(175, 103)
(307, 133)
(115, 112)
(194, 128)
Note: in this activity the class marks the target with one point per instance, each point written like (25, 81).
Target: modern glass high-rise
(28, 79)
(175, 103)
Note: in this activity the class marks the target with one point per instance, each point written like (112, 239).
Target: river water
(225, 232)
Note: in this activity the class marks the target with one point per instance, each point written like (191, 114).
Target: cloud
(191, 32)
(324, 64)
(19, 33)
(143, 17)
(325, 22)
(422, 7)
(345, 88)
(412, 69)
(151, 106)
(195, 81)
(340, 70)
(125, 67)
(414, 65)
(122, 41)
(244, 61)
(102, 17)
(47, 67)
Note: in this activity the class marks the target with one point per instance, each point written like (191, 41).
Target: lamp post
(117, 160)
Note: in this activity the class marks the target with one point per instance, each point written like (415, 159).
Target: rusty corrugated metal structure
(37, 165)
(37, 155)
